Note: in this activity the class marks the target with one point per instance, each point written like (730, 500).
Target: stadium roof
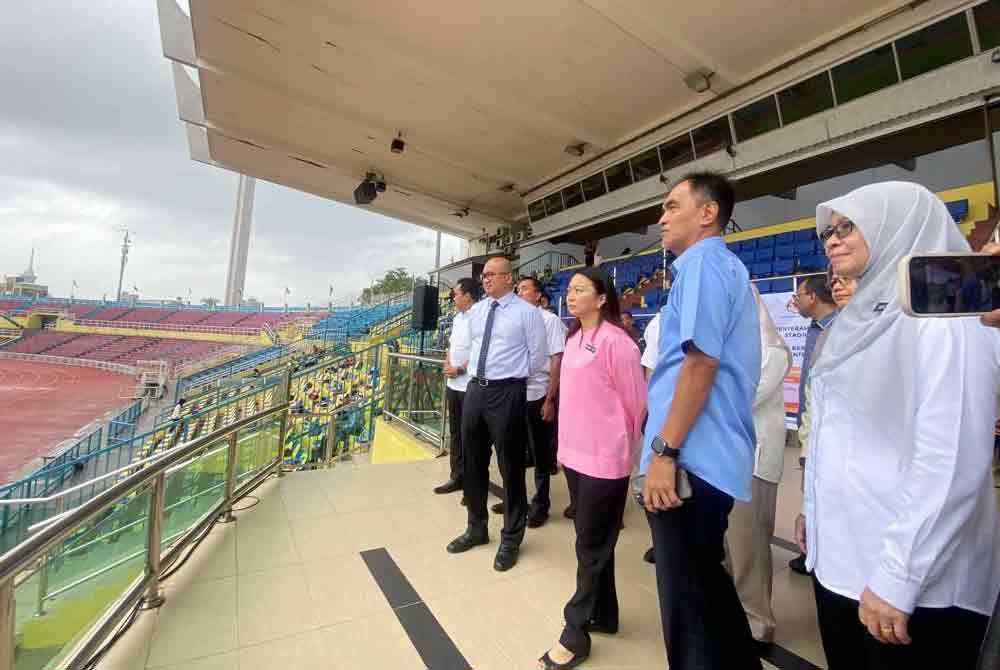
(489, 97)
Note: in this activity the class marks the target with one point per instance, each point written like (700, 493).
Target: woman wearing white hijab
(900, 520)
(751, 524)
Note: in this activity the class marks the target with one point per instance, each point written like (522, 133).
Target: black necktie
(485, 348)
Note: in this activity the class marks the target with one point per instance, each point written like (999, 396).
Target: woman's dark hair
(611, 311)
(469, 287)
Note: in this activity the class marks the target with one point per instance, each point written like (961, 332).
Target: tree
(395, 281)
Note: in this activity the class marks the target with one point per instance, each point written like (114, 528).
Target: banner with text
(792, 328)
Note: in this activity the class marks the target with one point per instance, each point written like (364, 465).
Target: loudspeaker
(425, 307)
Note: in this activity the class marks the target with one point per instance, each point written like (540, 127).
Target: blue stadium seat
(814, 262)
(765, 242)
(784, 251)
(782, 285)
(807, 234)
(763, 286)
(805, 248)
(765, 254)
(958, 209)
(734, 247)
(746, 256)
(749, 244)
(784, 267)
(761, 269)
(785, 238)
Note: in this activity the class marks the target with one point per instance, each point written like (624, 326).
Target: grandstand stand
(38, 342)
(80, 346)
(225, 319)
(146, 315)
(186, 317)
(109, 313)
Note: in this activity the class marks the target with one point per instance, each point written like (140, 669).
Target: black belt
(498, 382)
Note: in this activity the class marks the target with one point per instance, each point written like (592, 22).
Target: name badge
(591, 348)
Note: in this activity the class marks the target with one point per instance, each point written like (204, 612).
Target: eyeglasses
(492, 275)
(841, 229)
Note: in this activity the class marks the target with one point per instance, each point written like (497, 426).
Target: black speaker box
(425, 307)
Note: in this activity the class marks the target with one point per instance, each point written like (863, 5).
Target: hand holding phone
(949, 284)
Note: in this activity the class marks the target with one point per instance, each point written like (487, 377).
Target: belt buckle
(483, 382)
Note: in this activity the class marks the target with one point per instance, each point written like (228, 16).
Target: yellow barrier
(68, 326)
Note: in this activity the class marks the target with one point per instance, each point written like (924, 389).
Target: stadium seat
(765, 242)
(803, 249)
(761, 269)
(782, 285)
(747, 256)
(734, 247)
(815, 262)
(805, 235)
(749, 244)
(763, 287)
(785, 238)
(784, 251)
(958, 209)
(764, 254)
(784, 267)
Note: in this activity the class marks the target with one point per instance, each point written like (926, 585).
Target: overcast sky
(90, 142)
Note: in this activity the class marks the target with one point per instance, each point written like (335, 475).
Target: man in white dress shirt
(507, 337)
(543, 389)
(456, 366)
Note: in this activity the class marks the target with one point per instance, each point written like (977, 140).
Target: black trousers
(704, 626)
(494, 415)
(541, 438)
(600, 504)
(455, 401)
(941, 637)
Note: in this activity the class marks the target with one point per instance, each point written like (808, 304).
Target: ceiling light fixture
(576, 149)
(700, 80)
(398, 145)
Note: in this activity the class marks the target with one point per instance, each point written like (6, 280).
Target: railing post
(286, 389)
(7, 641)
(154, 596)
(228, 516)
(43, 572)
(331, 435)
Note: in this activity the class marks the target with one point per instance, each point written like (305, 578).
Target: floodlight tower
(126, 244)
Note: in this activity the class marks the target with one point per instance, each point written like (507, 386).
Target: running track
(42, 405)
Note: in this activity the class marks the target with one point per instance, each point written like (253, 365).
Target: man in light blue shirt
(700, 399)
(506, 346)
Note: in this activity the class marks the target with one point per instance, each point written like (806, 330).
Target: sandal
(549, 664)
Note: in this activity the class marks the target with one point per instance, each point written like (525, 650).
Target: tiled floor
(286, 587)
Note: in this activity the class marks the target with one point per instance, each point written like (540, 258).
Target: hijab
(896, 219)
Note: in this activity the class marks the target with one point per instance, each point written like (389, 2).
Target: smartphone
(949, 284)
(683, 487)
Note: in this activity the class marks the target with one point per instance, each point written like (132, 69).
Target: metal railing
(415, 395)
(173, 327)
(82, 571)
(65, 360)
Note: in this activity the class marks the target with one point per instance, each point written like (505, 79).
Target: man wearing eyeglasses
(506, 346)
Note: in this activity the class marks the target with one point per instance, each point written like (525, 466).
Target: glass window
(646, 164)
(572, 195)
(536, 210)
(676, 152)
(553, 204)
(711, 137)
(756, 119)
(865, 74)
(936, 45)
(988, 24)
(593, 186)
(806, 98)
(618, 176)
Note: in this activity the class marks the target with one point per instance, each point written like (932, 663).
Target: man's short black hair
(534, 282)
(816, 284)
(712, 186)
(468, 286)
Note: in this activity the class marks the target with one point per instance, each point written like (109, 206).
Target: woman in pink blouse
(601, 402)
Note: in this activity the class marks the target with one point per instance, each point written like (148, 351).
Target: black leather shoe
(449, 486)
(649, 556)
(570, 512)
(506, 558)
(497, 508)
(549, 664)
(798, 565)
(467, 540)
(537, 520)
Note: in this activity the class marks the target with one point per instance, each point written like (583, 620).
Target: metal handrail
(35, 546)
(413, 357)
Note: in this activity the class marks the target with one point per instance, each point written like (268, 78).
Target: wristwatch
(661, 448)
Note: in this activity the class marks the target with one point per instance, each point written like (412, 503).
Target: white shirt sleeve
(534, 335)
(652, 337)
(773, 364)
(458, 343)
(555, 335)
